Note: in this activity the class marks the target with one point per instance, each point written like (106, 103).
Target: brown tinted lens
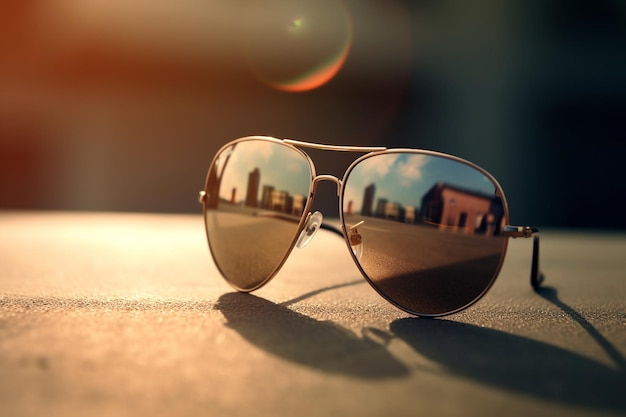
(256, 194)
(430, 236)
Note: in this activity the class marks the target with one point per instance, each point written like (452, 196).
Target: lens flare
(297, 46)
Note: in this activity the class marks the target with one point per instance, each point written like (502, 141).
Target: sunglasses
(428, 231)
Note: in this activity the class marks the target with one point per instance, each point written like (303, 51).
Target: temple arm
(536, 277)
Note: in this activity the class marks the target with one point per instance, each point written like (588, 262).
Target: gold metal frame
(536, 277)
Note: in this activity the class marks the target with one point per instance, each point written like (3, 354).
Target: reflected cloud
(377, 167)
(410, 168)
(256, 150)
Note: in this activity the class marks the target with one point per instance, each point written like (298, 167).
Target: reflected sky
(404, 178)
(279, 166)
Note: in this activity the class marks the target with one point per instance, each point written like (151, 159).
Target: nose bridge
(325, 177)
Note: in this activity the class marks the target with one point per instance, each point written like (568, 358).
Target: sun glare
(300, 53)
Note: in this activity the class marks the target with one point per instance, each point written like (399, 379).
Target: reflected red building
(451, 207)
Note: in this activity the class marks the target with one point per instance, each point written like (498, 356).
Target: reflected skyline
(261, 174)
(425, 189)
(445, 206)
(403, 177)
(266, 196)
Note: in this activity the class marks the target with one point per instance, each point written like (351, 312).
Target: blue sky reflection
(280, 166)
(405, 177)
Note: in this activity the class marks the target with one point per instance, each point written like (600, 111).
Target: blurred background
(119, 105)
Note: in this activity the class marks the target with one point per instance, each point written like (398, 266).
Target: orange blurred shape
(297, 46)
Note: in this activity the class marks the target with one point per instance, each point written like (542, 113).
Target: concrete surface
(125, 314)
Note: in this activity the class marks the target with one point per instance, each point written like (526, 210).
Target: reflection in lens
(256, 194)
(431, 229)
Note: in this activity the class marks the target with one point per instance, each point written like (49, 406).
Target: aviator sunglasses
(427, 230)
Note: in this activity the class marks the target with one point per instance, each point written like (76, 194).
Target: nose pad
(313, 223)
(356, 240)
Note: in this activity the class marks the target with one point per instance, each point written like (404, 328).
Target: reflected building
(284, 202)
(391, 211)
(349, 208)
(368, 200)
(409, 214)
(384, 208)
(298, 204)
(280, 201)
(254, 179)
(266, 197)
(446, 206)
(451, 207)
(381, 205)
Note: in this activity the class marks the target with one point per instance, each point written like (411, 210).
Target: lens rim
(303, 218)
(345, 230)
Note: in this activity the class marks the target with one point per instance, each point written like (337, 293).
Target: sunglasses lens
(256, 193)
(425, 229)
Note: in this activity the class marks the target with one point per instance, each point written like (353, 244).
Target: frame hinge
(519, 231)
